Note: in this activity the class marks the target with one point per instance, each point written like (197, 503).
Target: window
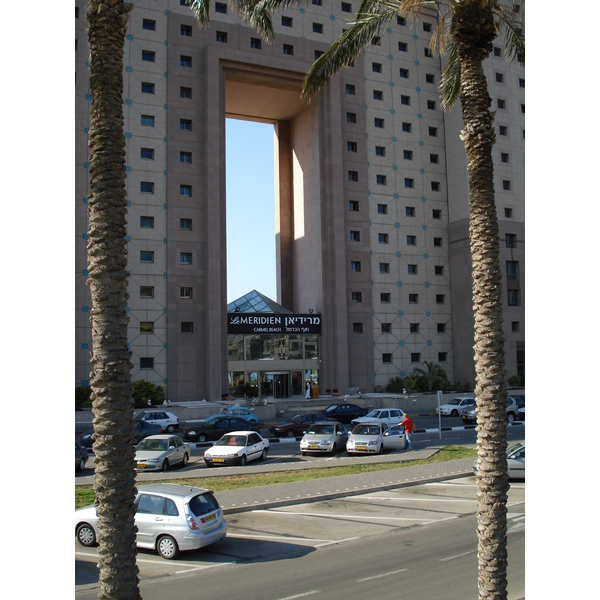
(511, 240)
(431, 104)
(185, 258)
(286, 21)
(437, 242)
(379, 123)
(409, 183)
(353, 175)
(409, 211)
(436, 213)
(148, 120)
(146, 327)
(442, 356)
(221, 8)
(350, 89)
(147, 153)
(317, 28)
(386, 358)
(523, 108)
(146, 362)
(185, 190)
(187, 327)
(379, 150)
(350, 117)
(400, 20)
(414, 328)
(385, 297)
(384, 267)
(497, 51)
(357, 327)
(501, 103)
(185, 124)
(415, 357)
(405, 100)
(146, 256)
(441, 327)
(255, 43)
(515, 326)
(352, 147)
(185, 92)
(506, 185)
(499, 78)
(412, 269)
(521, 83)
(185, 61)
(511, 270)
(185, 157)
(402, 47)
(413, 298)
(186, 30)
(77, 12)
(356, 296)
(439, 270)
(411, 240)
(382, 209)
(428, 53)
(440, 299)
(406, 127)
(355, 236)
(513, 298)
(353, 206)
(427, 27)
(383, 238)
(376, 67)
(146, 187)
(185, 224)
(376, 41)
(147, 222)
(381, 180)
(318, 54)
(317, 2)
(404, 75)
(185, 292)
(355, 265)
(146, 291)
(508, 213)
(502, 130)
(433, 131)
(346, 7)
(222, 37)
(408, 155)
(435, 186)
(429, 78)
(289, 50)
(504, 157)
(386, 328)
(147, 56)
(377, 95)
(147, 88)
(434, 159)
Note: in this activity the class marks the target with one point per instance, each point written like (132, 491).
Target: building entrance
(275, 385)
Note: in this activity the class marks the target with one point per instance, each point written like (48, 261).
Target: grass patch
(84, 494)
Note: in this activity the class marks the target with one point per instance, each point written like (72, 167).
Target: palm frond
(200, 10)
(450, 83)
(258, 15)
(514, 33)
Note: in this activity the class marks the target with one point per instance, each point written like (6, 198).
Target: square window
(221, 8)
(377, 95)
(436, 213)
(146, 187)
(412, 269)
(376, 41)
(515, 326)
(379, 150)
(146, 362)
(286, 21)
(411, 240)
(289, 50)
(404, 75)
(350, 89)
(147, 222)
(353, 206)
(148, 56)
(441, 327)
(384, 267)
(405, 100)
(185, 61)
(435, 186)
(317, 28)
(382, 209)
(185, 92)
(185, 292)
(413, 298)
(385, 297)
(429, 78)
(185, 124)
(427, 27)
(406, 127)
(355, 265)
(409, 183)
(185, 224)
(439, 270)
(376, 67)
(185, 258)
(381, 180)
(427, 52)
(355, 236)
(521, 83)
(506, 185)
(508, 213)
(353, 175)
(504, 157)
(146, 291)
(186, 30)
(352, 147)
(346, 7)
(148, 120)
(147, 88)
(379, 123)
(434, 159)
(497, 51)
(318, 54)
(350, 117)
(147, 153)
(511, 240)
(255, 43)
(408, 155)
(437, 242)
(400, 20)
(383, 238)
(499, 78)
(222, 37)
(502, 130)
(357, 327)
(402, 47)
(146, 256)
(185, 190)
(415, 357)
(512, 270)
(187, 327)
(146, 327)
(440, 299)
(409, 211)
(442, 356)
(513, 298)
(431, 104)
(185, 157)
(386, 358)
(501, 103)
(356, 296)
(433, 131)
(414, 328)
(386, 328)
(149, 24)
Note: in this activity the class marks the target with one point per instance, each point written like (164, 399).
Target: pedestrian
(307, 389)
(409, 427)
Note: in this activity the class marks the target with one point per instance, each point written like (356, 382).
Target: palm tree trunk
(107, 255)
(473, 29)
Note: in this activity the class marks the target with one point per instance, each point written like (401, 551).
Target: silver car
(167, 420)
(159, 452)
(366, 438)
(515, 462)
(326, 436)
(388, 416)
(469, 413)
(169, 518)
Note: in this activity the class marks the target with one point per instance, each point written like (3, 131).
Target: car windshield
(232, 440)
(203, 503)
(296, 418)
(455, 401)
(331, 408)
(156, 445)
(328, 429)
(366, 430)
(374, 413)
(139, 417)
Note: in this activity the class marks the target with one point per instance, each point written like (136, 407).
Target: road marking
(344, 517)
(311, 593)
(160, 561)
(381, 575)
(457, 556)
(203, 567)
(407, 499)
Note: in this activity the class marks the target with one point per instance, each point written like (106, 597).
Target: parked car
(297, 425)
(213, 430)
(453, 407)
(159, 452)
(240, 411)
(169, 518)
(521, 414)
(344, 413)
(389, 416)
(469, 413)
(81, 456)
(515, 459)
(237, 448)
(142, 430)
(366, 438)
(394, 438)
(167, 420)
(326, 436)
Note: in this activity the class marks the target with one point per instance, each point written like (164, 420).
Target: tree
(433, 375)
(465, 31)
(112, 404)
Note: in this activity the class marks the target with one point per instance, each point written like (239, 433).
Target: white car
(388, 416)
(469, 413)
(169, 518)
(326, 436)
(394, 438)
(159, 452)
(454, 407)
(366, 438)
(167, 420)
(237, 448)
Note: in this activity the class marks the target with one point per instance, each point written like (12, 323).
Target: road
(418, 542)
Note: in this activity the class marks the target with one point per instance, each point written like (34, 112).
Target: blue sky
(250, 209)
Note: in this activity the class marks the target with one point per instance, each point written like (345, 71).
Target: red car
(297, 425)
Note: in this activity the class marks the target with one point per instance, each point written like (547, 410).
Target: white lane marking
(203, 567)
(160, 561)
(381, 575)
(406, 499)
(311, 593)
(326, 516)
(457, 556)
(275, 537)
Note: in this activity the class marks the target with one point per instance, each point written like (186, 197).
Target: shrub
(514, 381)
(82, 397)
(144, 391)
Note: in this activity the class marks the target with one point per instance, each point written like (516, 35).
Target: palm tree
(465, 31)
(107, 257)
(433, 374)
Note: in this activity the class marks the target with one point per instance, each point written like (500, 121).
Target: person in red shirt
(409, 427)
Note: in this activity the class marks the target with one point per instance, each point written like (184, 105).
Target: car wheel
(263, 456)
(81, 464)
(510, 417)
(165, 465)
(170, 428)
(201, 438)
(243, 460)
(185, 460)
(167, 547)
(454, 413)
(208, 464)
(303, 453)
(86, 535)
(290, 433)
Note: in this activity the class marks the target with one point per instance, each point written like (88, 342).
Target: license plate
(210, 517)
(361, 447)
(141, 465)
(218, 460)
(313, 447)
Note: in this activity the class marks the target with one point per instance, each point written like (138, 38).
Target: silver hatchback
(169, 518)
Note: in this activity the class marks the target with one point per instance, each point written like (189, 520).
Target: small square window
(521, 83)
(402, 47)
(350, 117)
(434, 159)
(428, 53)
(431, 104)
(384, 238)
(146, 291)
(429, 78)
(147, 222)
(353, 175)
(400, 20)
(409, 211)
(515, 326)
(185, 157)
(504, 157)
(185, 258)
(386, 328)
(440, 299)
(185, 92)
(384, 267)
(148, 120)
(185, 224)
(497, 51)
(442, 356)
(147, 88)
(377, 95)
(376, 67)
(185, 190)
(414, 328)
(185, 61)
(441, 327)
(355, 265)
(406, 127)
(427, 27)
(146, 187)
(350, 89)
(187, 327)
(146, 362)
(386, 358)
(413, 298)
(317, 28)
(379, 123)
(352, 147)
(355, 236)
(379, 150)
(146, 327)
(405, 100)
(357, 327)
(409, 182)
(255, 43)
(289, 50)
(501, 103)
(353, 206)
(220, 7)
(433, 131)
(148, 56)
(147, 153)
(356, 296)
(407, 154)
(149, 24)
(435, 186)
(222, 37)
(286, 21)
(436, 213)
(502, 130)
(346, 7)
(385, 297)
(412, 269)
(318, 54)
(437, 242)
(376, 41)
(506, 185)
(146, 256)
(508, 213)
(382, 209)
(185, 124)
(185, 292)
(513, 298)
(411, 240)
(404, 75)
(511, 240)
(381, 180)
(186, 30)
(499, 78)
(439, 269)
